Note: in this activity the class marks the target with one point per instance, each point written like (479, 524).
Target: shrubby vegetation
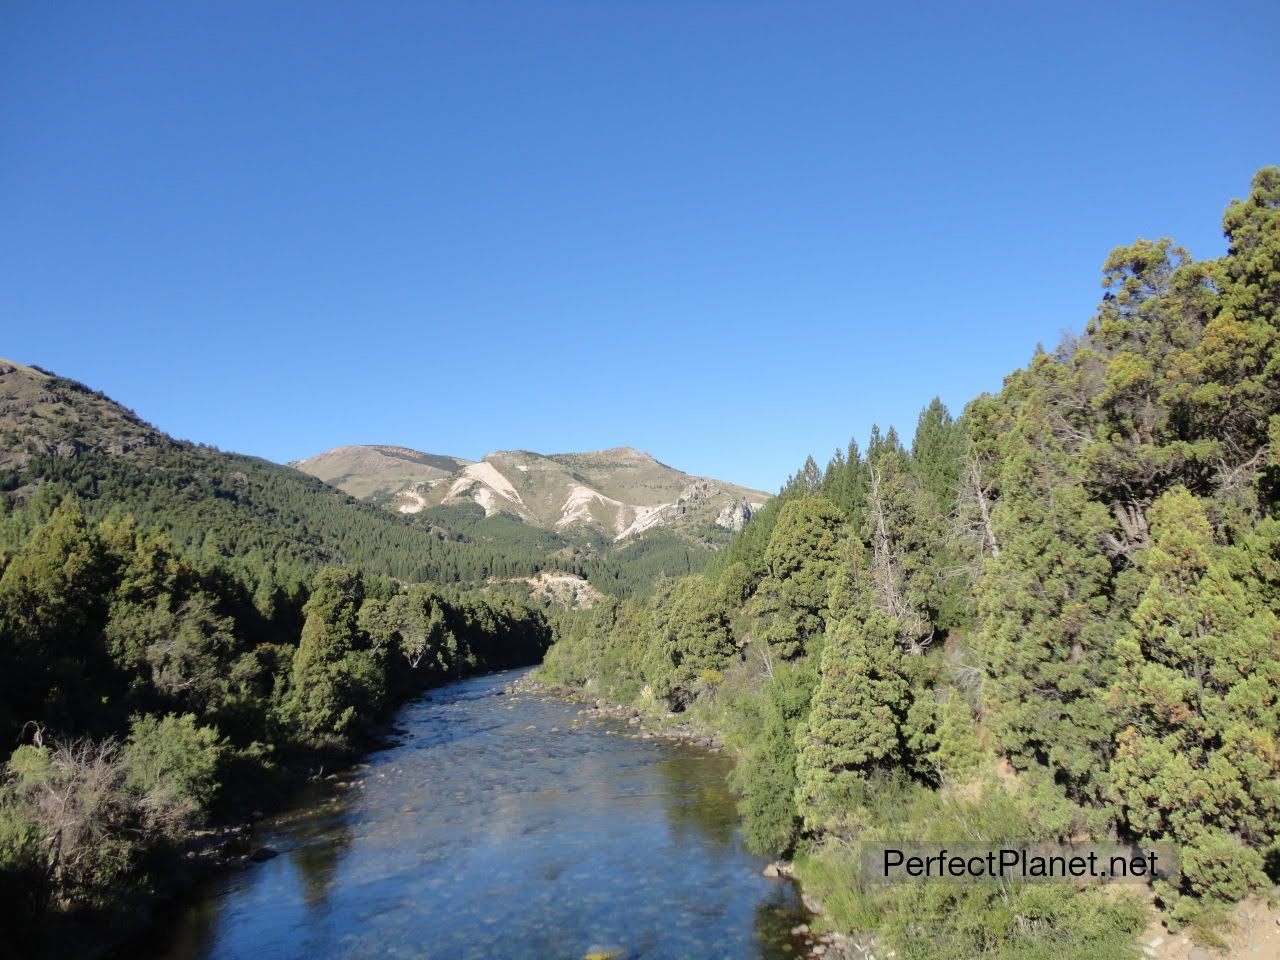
(1052, 617)
(142, 690)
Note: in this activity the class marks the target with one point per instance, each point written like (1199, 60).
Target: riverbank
(647, 726)
(223, 847)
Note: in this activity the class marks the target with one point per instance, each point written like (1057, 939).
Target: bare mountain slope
(620, 492)
(368, 470)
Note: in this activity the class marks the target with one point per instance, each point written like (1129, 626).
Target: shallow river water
(494, 830)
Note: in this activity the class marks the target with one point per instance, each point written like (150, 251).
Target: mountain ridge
(619, 492)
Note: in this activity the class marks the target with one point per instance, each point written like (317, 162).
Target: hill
(618, 494)
(463, 523)
(376, 469)
(60, 437)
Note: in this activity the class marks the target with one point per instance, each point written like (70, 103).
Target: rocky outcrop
(734, 515)
(42, 415)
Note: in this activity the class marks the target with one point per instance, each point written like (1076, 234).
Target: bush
(172, 769)
(71, 798)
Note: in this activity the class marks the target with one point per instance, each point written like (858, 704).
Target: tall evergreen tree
(855, 726)
(789, 608)
(936, 452)
(1043, 602)
(1240, 350)
(336, 674)
(689, 641)
(906, 536)
(1198, 756)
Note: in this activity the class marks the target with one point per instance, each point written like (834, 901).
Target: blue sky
(729, 233)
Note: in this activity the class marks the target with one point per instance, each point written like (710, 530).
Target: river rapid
(502, 826)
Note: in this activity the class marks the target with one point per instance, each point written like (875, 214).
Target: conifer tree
(766, 774)
(856, 722)
(1240, 349)
(1197, 760)
(790, 604)
(958, 752)
(935, 454)
(53, 596)
(1043, 602)
(846, 483)
(689, 641)
(336, 676)
(905, 533)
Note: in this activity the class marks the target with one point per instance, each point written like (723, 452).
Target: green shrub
(172, 769)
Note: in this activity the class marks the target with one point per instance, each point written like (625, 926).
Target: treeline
(141, 691)
(1052, 618)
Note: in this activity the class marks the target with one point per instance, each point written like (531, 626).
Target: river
(495, 829)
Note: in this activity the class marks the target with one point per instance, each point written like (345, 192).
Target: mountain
(618, 494)
(509, 517)
(273, 523)
(376, 469)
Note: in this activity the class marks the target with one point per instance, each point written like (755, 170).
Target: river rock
(263, 854)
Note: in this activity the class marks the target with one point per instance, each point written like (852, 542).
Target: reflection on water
(487, 835)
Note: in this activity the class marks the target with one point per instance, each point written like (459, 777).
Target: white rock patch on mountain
(485, 473)
(577, 509)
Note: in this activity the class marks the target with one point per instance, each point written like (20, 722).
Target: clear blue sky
(729, 233)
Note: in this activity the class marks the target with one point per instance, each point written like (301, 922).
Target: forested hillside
(1053, 617)
(270, 522)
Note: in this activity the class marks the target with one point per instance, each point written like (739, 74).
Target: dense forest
(1053, 617)
(144, 691)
